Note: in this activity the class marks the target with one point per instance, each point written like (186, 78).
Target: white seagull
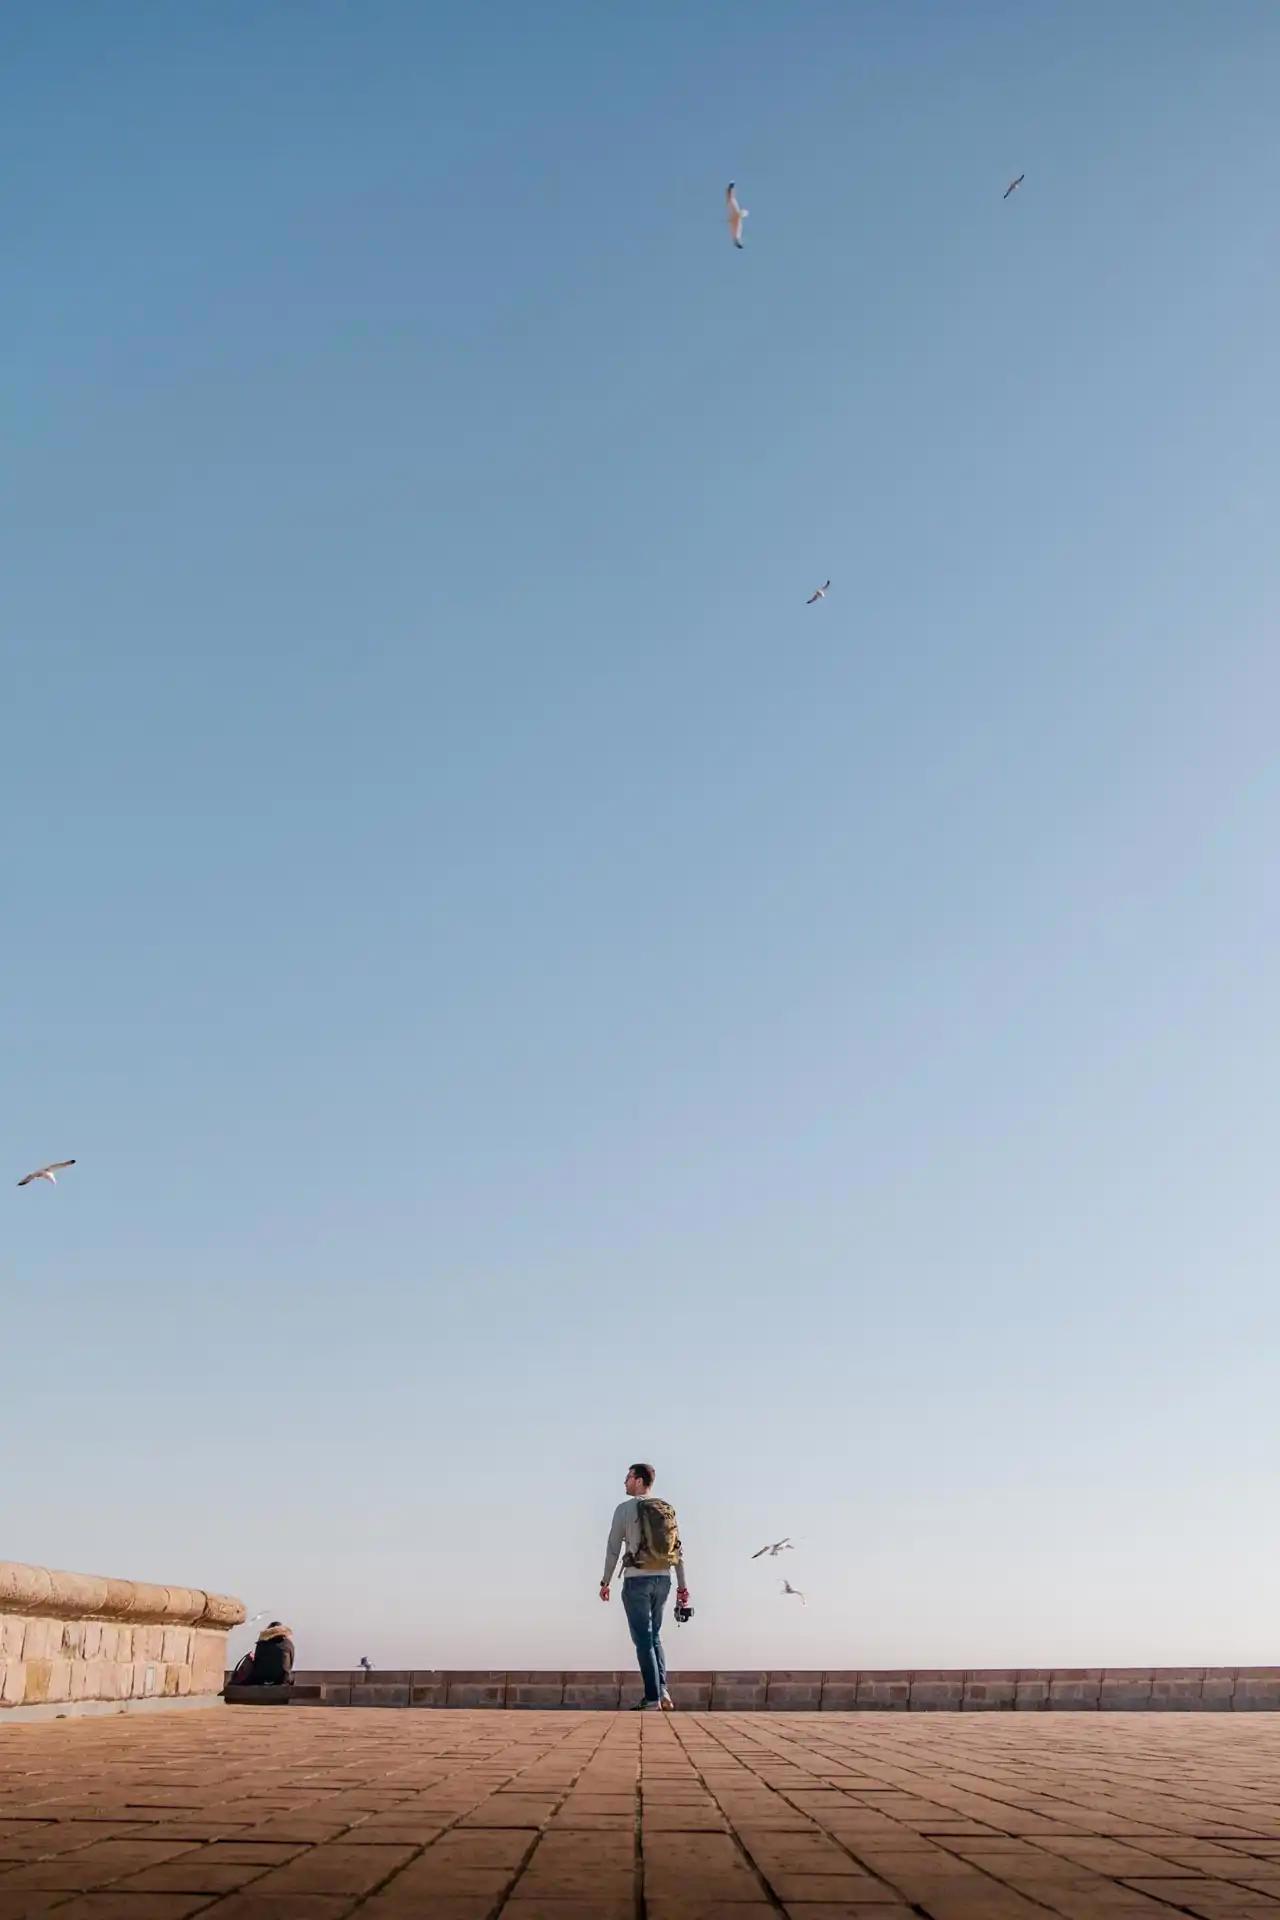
(794, 1592)
(1013, 186)
(777, 1547)
(737, 214)
(49, 1173)
(819, 593)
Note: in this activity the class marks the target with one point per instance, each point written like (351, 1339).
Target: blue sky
(522, 989)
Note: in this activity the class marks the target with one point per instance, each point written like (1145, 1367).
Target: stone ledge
(894, 1690)
(69, 1641)
(49, 1592)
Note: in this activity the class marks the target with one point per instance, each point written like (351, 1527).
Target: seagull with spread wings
(794, 1592)
(736, 214)
(49, 1173)
(1013, 186)
(775, 1548)
(819, 593)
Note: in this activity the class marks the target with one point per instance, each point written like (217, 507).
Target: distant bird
(819, 593)
(778, 1546)
(48, 1173)
(1013, 186)
(794, 1592)
(364, 1662)
(737, 214)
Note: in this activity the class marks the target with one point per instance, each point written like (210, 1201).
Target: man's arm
(682, 1581)
(614, 1548)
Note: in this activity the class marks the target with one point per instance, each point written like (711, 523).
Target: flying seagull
(364, 1662)
(794, 1592)
(819, 593)
(737, 214)
(1013, 186)
(777, 1547)
(49, 1173)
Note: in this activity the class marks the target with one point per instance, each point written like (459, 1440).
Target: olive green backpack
(659, 1548)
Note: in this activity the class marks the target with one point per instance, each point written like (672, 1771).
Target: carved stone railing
(78, 1642)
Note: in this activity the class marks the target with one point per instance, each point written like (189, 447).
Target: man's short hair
(643, 1471)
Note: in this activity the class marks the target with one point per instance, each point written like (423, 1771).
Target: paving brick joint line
(267, 1814)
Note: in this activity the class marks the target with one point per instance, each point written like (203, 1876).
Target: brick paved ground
(266, 1814)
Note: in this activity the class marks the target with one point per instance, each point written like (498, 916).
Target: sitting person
(273, 1657)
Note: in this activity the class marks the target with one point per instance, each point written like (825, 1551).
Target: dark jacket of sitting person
(273, 1657)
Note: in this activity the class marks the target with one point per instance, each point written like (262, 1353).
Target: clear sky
(526, 992)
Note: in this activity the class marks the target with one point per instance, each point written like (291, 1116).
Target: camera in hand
(683, 1614)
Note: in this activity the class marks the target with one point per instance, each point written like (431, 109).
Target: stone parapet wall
(898, 1690)
(72, 1640)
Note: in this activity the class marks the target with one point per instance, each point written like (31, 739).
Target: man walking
(644, 1531)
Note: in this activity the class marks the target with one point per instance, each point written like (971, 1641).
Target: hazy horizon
(524, 991)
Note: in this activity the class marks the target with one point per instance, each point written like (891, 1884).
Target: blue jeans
(644, 1595)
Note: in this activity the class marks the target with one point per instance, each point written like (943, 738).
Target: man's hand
(604, 1590)
(682, 1596)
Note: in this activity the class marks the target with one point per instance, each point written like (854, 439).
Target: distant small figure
(779, 1546)
(273, 1657)
(366, 1663)
(794, 1592)
(736, 213)
(48, 1173)
(1013, 186)
(819, 593)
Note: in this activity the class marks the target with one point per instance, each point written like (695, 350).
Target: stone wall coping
(50, 1592)
(815, 1690)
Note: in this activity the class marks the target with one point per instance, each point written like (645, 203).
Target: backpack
(659, 1547)
(243, 1675)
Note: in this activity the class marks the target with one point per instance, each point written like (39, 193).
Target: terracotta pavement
(290, 1814)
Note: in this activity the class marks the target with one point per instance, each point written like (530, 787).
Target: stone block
(884, 1690)
(937, 1690)
(690, 1691)
(93, 1640)
(840, 1690)
(379, 1693)
(990, 1690)
(13, 1683)
(1032, 1691)
(596, 1689)
(1216, 1689)
(259, 1696)
(36, 1689)
(788, 1691)
(1125, 1689)
(543, 1693)
(207, 1658)
(1176, 1689)
(428, 1687)
(737, 1690)
(1074, 1688)
(1257, 1690)
(42, 1639)
(176, 1645)
(477, 1688)
(13, 1630)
